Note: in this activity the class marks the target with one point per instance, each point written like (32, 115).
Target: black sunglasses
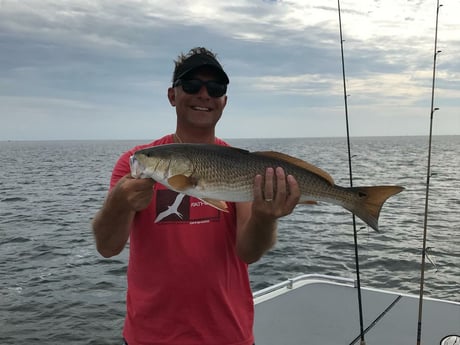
(193, 86)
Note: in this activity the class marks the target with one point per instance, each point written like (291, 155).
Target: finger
(145, 183)
(258, 192)
(280, 186)
(132, 185)
(142, 194)
(135, 193)
(294, 192)
(268, 187)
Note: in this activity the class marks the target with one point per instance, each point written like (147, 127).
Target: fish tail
(371, 202)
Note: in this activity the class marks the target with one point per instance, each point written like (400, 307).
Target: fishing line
(428, 256)
(355, 233)
(378, 318)
(428, 176)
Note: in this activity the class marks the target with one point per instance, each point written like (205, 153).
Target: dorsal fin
(298, 162)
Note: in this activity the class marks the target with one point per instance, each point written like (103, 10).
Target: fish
(218, 174)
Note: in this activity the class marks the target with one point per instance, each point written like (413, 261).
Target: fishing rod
(428, 176)
(355, 233)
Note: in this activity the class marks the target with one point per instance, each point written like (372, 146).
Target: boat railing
(302, 280)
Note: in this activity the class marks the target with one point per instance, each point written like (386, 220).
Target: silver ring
(268, 200)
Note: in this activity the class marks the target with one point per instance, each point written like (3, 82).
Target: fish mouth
(136, 167)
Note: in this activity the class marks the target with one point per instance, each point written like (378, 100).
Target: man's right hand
(135, 193)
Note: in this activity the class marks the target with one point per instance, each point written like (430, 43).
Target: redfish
(215, 174)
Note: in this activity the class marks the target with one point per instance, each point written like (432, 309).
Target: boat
(319, 309)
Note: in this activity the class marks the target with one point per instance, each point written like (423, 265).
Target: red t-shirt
(186, 284)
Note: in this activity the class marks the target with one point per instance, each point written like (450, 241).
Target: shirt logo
(172, 210)
(173, 207)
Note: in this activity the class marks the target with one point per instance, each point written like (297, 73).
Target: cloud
(68, 59)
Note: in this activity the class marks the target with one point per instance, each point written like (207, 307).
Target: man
(188, 262)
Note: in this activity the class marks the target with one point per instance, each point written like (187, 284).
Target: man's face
(199, 109)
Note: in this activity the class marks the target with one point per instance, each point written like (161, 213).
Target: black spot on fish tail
(371, 200)
(362, 194)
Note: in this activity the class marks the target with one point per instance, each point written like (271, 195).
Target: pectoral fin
(181, 182)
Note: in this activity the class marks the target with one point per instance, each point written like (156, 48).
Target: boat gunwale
(308, 279)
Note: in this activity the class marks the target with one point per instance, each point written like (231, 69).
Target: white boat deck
(313, 309)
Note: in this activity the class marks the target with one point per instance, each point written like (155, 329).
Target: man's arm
(257, 220)
(111, 225)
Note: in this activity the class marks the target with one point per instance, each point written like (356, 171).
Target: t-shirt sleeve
(121, 168)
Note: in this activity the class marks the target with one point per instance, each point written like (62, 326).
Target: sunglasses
(193, 86)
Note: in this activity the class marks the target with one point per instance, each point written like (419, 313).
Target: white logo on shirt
(173, 209)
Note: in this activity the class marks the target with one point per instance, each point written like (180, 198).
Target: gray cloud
(69, 59)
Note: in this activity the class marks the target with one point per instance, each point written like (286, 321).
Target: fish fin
(372, 200)
(220, 205)
(237, 149)
(298, 162)
(180, 182)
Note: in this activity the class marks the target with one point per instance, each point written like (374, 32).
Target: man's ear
(172, 96)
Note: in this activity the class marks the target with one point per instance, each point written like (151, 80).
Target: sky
(100, 69)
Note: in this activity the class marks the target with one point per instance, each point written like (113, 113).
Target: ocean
(56, 289)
